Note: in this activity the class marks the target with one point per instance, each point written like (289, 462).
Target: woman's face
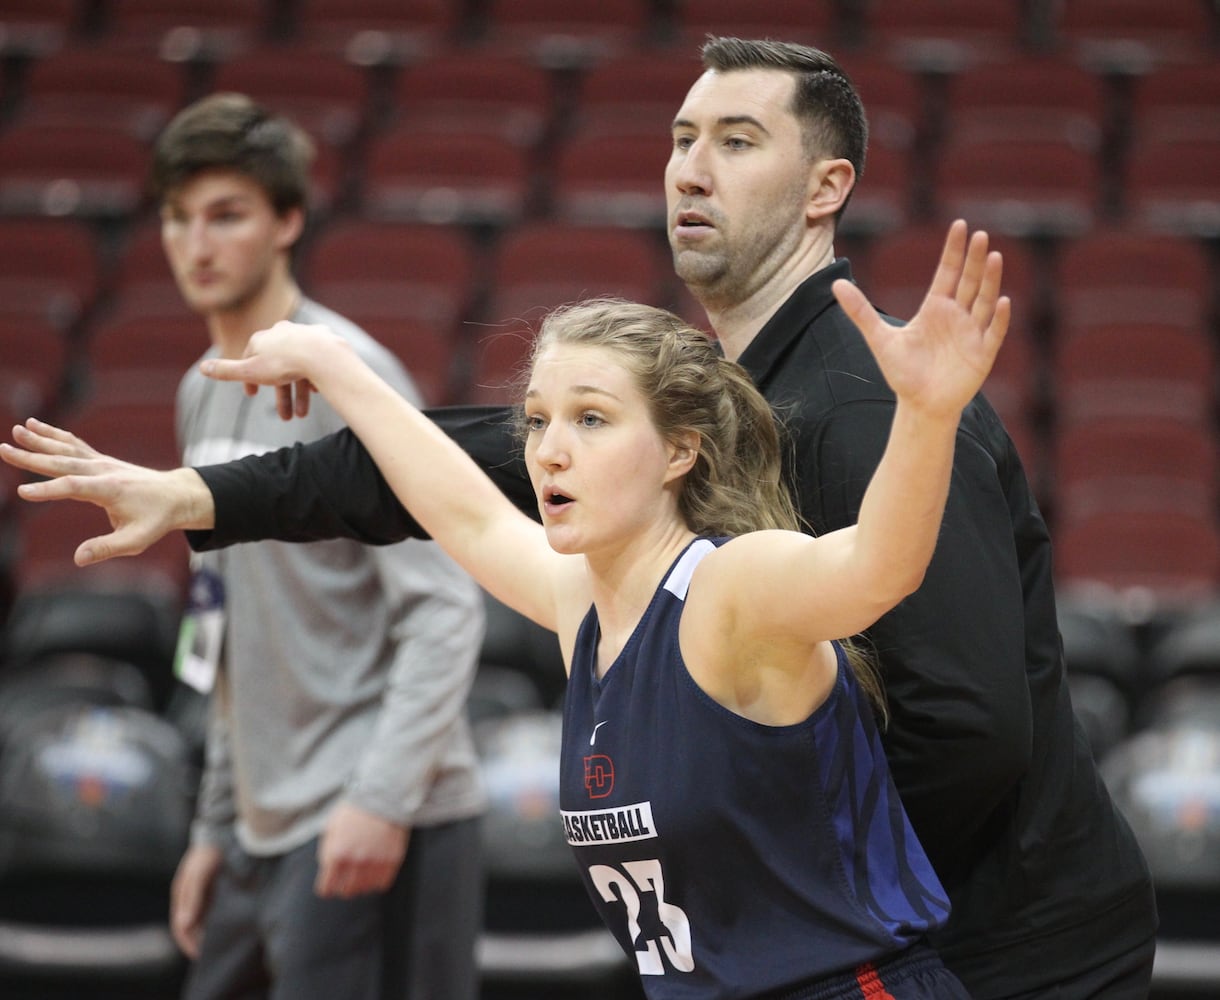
(598, 464)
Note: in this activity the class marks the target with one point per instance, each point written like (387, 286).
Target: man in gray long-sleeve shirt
(335, 847)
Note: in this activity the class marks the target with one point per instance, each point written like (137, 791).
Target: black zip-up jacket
(1045, 876)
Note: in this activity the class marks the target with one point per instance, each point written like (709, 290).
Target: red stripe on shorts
(871, 986)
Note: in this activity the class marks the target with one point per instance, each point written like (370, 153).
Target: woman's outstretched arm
(836, 585)
(454, 501)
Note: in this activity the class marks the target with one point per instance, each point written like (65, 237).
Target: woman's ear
(683, 452)
(829, 185)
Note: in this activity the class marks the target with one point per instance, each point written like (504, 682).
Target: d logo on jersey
(599, 775)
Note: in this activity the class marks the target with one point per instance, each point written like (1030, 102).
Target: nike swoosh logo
(593, 738)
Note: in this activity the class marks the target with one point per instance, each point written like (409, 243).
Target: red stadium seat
(133, 354)
(409, 285)
(561, 33)
(611, 178)
(37, 28)
(898, 269)
(99, 87)
(186, 30)
(1039, 188)
(446, 178)
(33, 366)
(474, 91)
(428, 352)
(539, 266)
(634, 91)
(1114, 275)
(420, 272)
(886, 197)
(370, 32)
(497, 366)
(543, 264)
(813, 23)
(944, 35)
(1148, 369)
(1176, 102)
(325, 94)
(1134, 34)
(142, 282)
(1135, 463)
(50, 270)
(1170, 186)
(894, 98)
(689, 308)
(1165, 557)
(1024, 99)
(90, 172)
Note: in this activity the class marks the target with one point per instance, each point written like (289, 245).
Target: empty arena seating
(480, 161)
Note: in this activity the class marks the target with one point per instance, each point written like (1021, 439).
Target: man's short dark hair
(832, 117)
(227, 131)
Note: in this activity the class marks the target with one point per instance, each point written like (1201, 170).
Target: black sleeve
(952, 654)
(332, 488)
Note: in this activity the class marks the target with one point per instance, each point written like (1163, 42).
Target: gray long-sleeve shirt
(346, 667)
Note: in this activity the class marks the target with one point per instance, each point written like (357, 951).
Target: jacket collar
(811, 298)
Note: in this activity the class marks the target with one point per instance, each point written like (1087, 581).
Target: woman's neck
(624, 585)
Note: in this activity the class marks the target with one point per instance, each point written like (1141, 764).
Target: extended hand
(281, 356)
(938, 360)
(358, 852)
(143, 505)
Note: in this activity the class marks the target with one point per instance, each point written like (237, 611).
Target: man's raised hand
(143, 505)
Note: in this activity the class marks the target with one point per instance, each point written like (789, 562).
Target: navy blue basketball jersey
(733, 859)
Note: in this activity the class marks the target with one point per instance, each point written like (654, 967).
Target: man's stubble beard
(707, 276)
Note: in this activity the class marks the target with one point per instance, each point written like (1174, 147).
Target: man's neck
(231, 329)
(738, 323)
(737, 326)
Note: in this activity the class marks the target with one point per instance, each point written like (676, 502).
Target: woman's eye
(534, 423)
(591, 420)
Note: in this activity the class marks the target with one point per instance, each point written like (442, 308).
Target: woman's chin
(563, 540)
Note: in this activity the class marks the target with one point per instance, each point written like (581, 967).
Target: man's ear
(291, 225)
(830, 184)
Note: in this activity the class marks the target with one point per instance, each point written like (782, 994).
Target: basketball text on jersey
(609, 826)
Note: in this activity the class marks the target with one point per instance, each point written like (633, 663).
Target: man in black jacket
(1051, 896)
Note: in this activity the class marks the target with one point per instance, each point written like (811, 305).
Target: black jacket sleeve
(332, 488)
(952, 655)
